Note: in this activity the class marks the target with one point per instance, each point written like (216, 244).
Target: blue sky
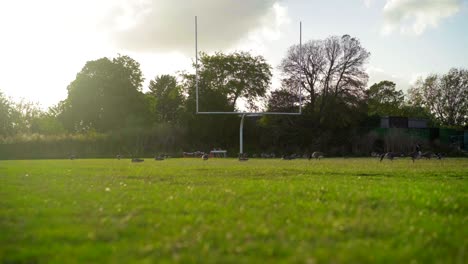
(46, 43)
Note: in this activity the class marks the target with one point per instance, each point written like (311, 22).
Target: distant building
(402, 122)
(417, 129)
(417, 122)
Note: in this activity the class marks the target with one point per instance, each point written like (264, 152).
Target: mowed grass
(223, 210)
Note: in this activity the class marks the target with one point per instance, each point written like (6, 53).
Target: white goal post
(244, 113)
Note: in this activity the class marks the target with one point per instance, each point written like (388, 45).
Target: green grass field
(223, 210)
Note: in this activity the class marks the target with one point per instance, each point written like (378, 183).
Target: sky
(44, 44)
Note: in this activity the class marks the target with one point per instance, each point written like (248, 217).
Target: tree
(29, 115)
(331, 77)
(280, 131)
(223, 79)
(445, 96)
(33, 120)
(384, 100)
(105, 95)
(42, 122)
(234, 76)
(168, 98)
(8, 116)
(283, 100)
(325, 69)
(26, 118)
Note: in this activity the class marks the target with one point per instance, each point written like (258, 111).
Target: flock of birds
(315, 155)
(413, 155)
(157, 157)
(241, 157)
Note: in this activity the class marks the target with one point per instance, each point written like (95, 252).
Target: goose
(317, 155)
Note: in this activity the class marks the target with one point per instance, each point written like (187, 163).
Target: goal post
(242, 114)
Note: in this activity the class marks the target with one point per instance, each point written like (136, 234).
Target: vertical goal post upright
(244, 113)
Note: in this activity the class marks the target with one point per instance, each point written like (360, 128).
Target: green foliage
(338, 114)
(330, 74)
(384, 100)
(223, 211)
(234, 76)
(444, 96)
(33, 120)
(411, 110)
(105, 95)
(283, 100)
(166, 98)
(223, 79)
(8, 117)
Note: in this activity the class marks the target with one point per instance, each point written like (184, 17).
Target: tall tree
(445, 96)
(383, 99)
(331, 76)
(105, 95)
(325, 69)
(223, 80)
(280, 131)
(236, 75)
(168, 98)
(8, 116)
(29, 116)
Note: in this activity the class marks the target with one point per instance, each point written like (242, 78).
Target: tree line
(107, 99)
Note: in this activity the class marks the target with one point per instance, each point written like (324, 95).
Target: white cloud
(258, 40)
(45, 43)
(161, 25)
(413, 17)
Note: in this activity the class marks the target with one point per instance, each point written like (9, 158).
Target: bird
(384, 155)
(317, 155)
(205, 156)
(243, 157)
(159, 157)
(440, 156)
(415, 155)
(389, 155)
(137, 160)
(427, 155)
